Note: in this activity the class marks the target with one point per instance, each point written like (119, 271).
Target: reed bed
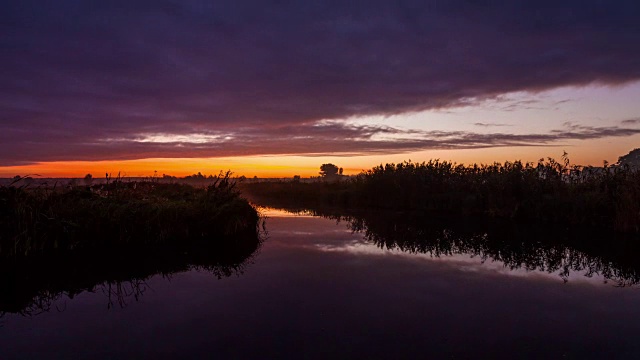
(547, 192)
(121, 215)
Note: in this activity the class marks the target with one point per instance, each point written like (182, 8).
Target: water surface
(316, 289)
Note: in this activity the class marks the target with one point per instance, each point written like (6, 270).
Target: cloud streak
(333, 138)
(490, 124)
(76, 73)
(631, 122)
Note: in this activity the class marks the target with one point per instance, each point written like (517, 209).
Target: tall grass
(547, 192)
(120, 214)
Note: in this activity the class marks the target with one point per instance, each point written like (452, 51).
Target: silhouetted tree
(88, 179)
(340, 171)
(632, 159)
(328, 170)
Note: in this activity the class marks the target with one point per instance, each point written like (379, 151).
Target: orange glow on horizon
(306, 166)
(148, 167)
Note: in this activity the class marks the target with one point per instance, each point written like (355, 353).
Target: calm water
(317, 290)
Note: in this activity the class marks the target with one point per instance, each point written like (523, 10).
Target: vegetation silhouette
(632, 159)
(548, 192)
(119, 215)
(330, 171)
(113, 236)
(88, 180)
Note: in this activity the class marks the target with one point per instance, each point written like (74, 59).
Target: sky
(277, 88)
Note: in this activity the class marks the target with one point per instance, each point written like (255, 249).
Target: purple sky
(111, 80)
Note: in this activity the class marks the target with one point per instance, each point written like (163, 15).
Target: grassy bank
(547, 192)
(120, 215)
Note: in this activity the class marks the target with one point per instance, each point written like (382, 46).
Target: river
(317, 289)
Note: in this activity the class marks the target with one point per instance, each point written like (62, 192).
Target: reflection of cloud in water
(310, 233)
(295, 232)
(501, 254)
(463, 262)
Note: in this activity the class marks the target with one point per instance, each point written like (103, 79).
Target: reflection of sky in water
(273, 212)
(316, 290)
(328, 238)
(462, 262)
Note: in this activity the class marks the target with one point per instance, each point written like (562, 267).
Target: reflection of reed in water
(119, 292)
(32, 286)
(547, 249)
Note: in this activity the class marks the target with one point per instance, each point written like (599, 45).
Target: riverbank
(547, 193)
(120, 215)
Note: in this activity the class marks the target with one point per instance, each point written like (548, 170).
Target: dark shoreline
(548, 193)
(120, 215)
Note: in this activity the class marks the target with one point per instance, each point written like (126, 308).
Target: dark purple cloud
(77, 72)
(334, 138)
(631, 121)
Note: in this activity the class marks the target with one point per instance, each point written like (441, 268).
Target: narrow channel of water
(316, 289)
